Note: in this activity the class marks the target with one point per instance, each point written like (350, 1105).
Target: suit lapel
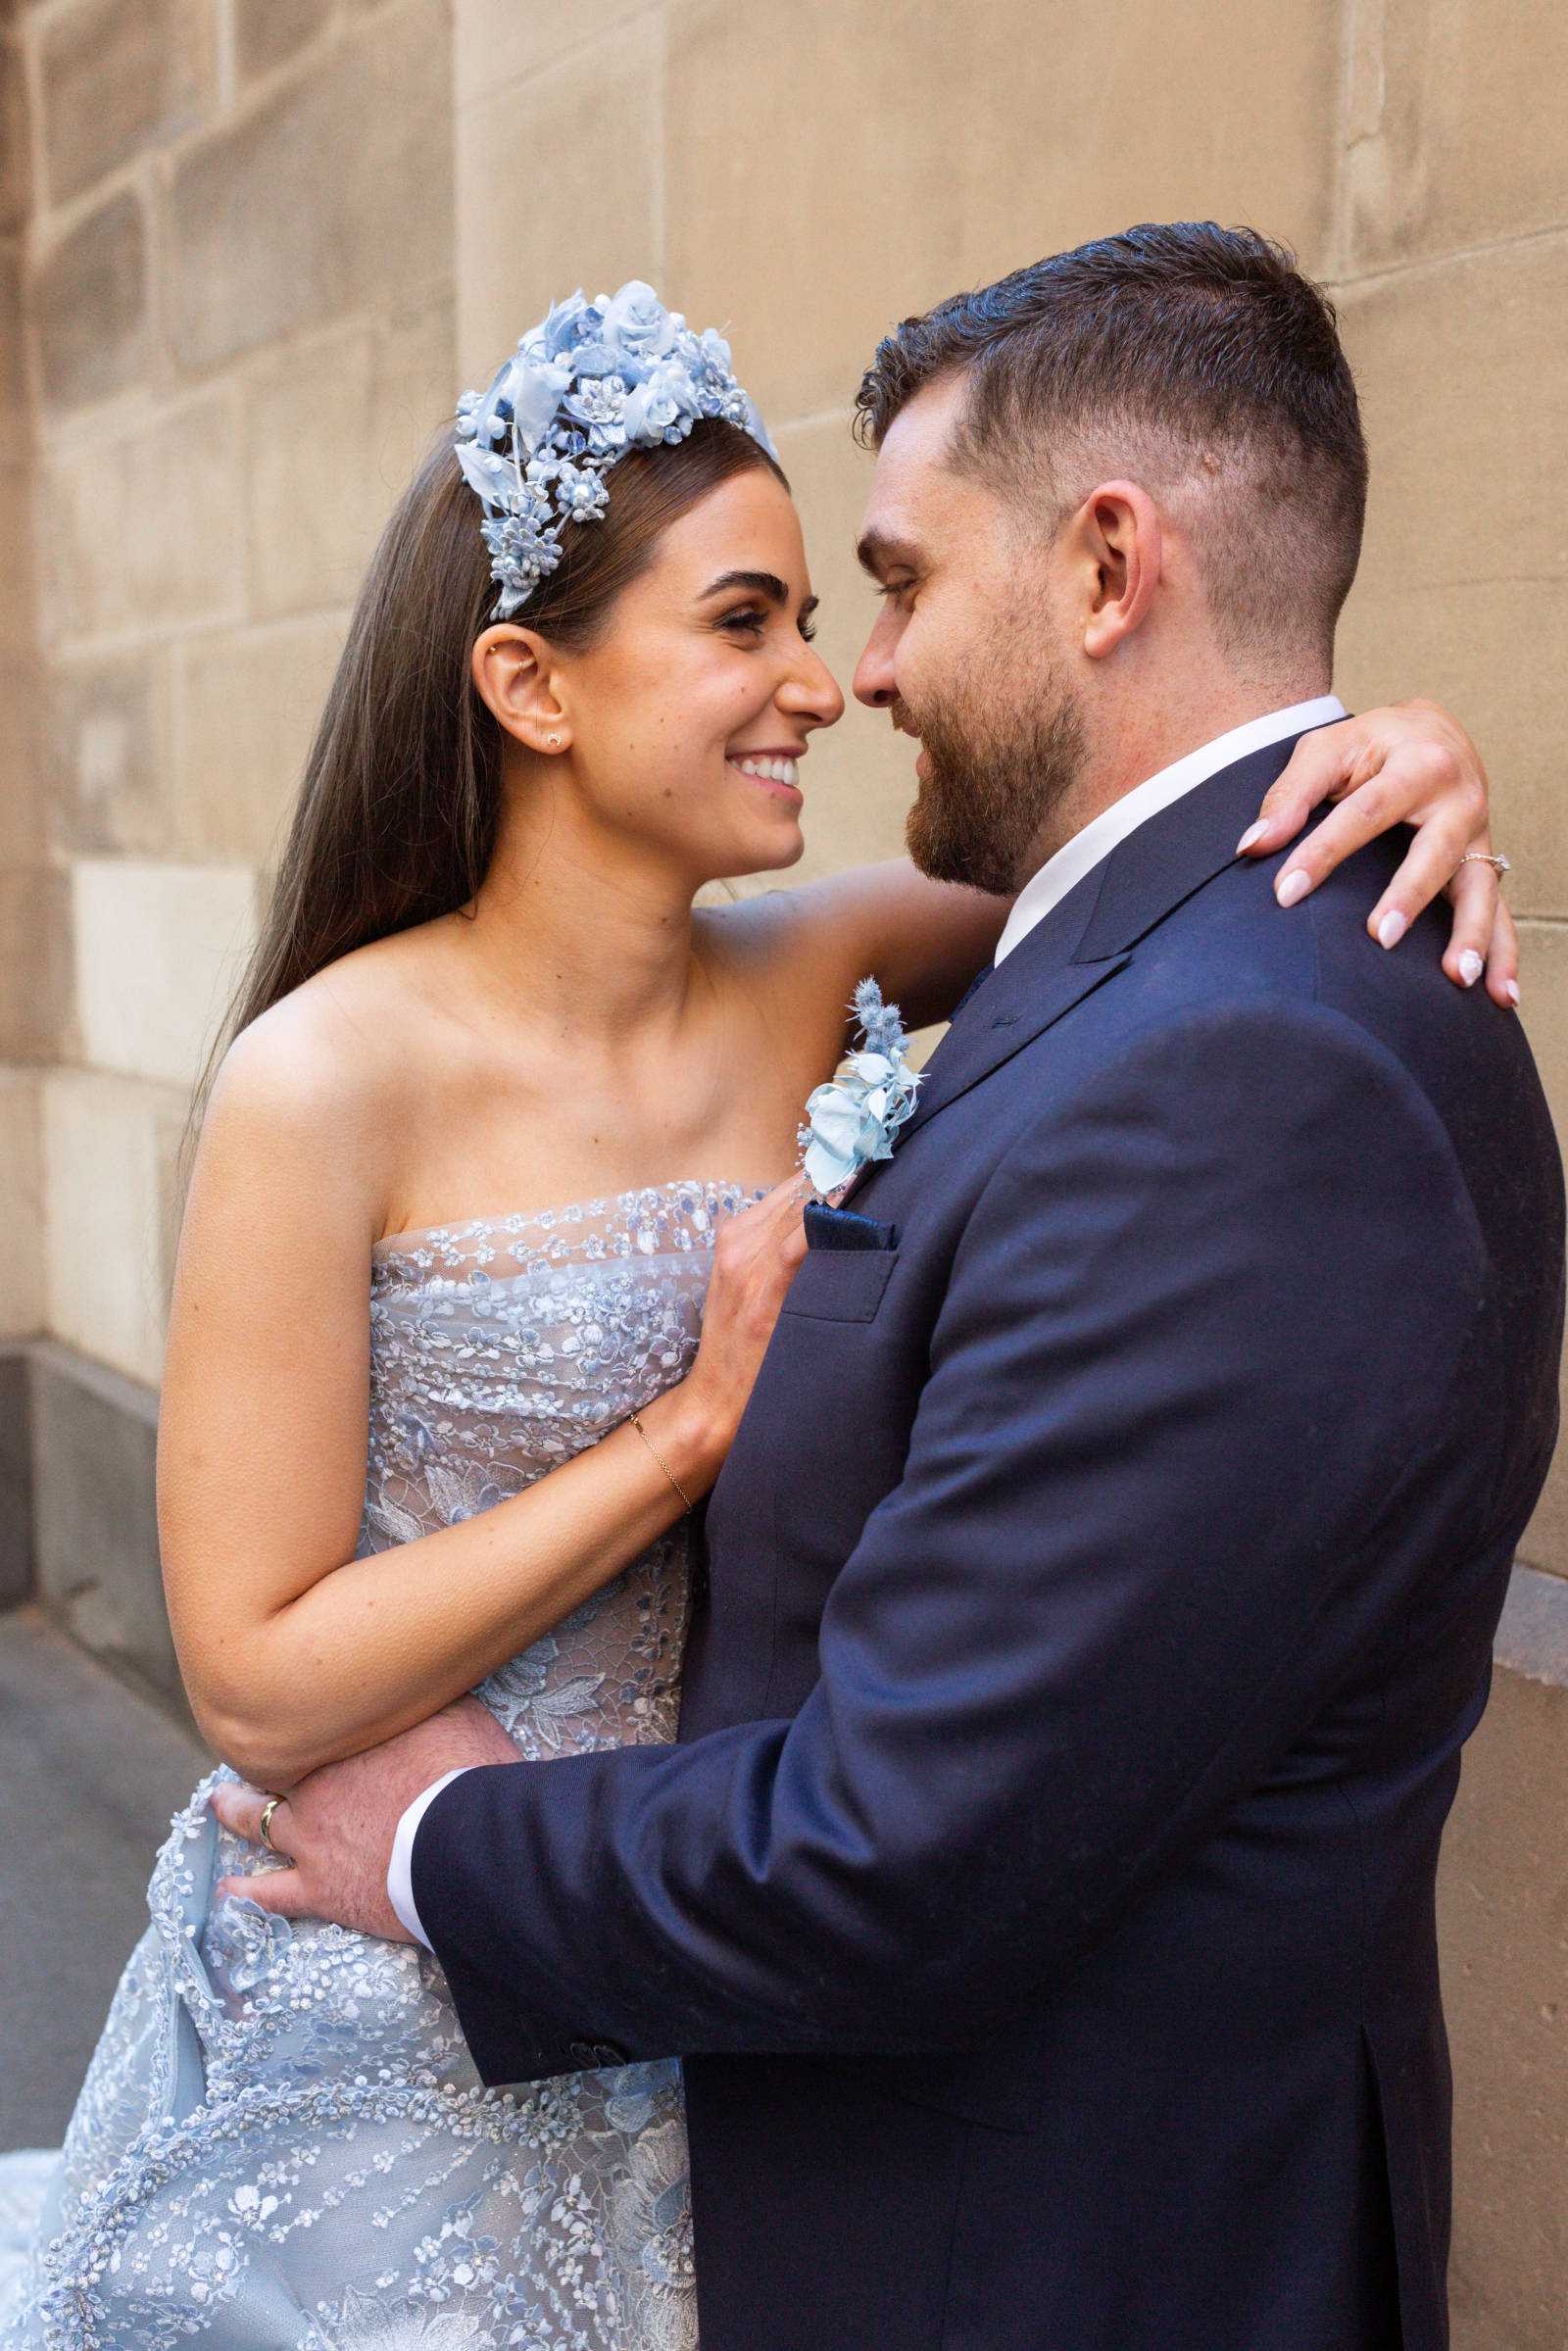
(1017, 1002)
(1090, 937)
(1175, 852)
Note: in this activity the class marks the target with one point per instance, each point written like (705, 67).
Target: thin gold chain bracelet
(662, 1463)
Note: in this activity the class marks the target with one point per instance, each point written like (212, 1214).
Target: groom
(1105, 1574)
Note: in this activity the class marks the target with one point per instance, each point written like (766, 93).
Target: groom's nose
(873, 671)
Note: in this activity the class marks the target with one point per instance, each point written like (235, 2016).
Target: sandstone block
(1503, 1912)
(336, 182)
(16, 173)
(109, 750)
(246, 705)
(89, 299)
(269, 33)
(1053, 136)
(313, 515)
(157, 538)
(810, 191)
(117, 78)
(35, 984)
(16, 423)
(558, 184)
(333, 432)
(105, 1145)
(159, 952)
(416, 385)
(1463, 586)
(22, 1202)
(495, 42)
(21, 827)
(18, 612)
(1455, 125)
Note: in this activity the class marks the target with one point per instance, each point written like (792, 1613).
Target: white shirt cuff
(399, 1869)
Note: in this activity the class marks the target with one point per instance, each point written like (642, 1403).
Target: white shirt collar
(1090, 847)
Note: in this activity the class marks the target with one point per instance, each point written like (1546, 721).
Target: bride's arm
(294, 1653)
(1407, 764)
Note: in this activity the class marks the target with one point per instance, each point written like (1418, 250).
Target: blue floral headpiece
(591, 381)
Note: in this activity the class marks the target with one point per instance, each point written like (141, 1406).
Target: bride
(493, 1209)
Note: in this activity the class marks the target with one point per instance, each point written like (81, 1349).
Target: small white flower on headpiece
(592, 380)
(856, 1116)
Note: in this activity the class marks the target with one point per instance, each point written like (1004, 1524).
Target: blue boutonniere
(856, 1116)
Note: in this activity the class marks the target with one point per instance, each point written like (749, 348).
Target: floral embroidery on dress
(282, 2138)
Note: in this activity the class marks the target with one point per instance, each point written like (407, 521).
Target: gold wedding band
(268, 1809)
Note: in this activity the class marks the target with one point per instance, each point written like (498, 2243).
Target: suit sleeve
(1203, 1327)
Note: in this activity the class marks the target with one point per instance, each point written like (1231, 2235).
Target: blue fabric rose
(855, 1118)
(591, 380)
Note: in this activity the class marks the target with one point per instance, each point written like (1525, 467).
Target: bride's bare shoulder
(323, 1076)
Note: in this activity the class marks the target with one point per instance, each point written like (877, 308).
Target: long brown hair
(398, 811)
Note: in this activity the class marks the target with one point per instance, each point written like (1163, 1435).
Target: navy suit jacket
(1104, 1580)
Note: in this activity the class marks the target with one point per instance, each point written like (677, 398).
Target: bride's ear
(514, 678)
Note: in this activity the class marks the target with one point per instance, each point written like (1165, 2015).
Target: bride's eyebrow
(762, 583)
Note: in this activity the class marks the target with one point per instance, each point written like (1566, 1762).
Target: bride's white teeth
(778, 772)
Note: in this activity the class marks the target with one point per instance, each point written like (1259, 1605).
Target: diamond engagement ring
(1480, 856)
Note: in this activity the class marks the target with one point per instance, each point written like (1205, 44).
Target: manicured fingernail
(1511, 990)
(1254, 832)
(1470, 967)
(1292, 886)
(1392, 929)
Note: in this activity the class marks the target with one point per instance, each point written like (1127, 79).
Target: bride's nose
(813, 695)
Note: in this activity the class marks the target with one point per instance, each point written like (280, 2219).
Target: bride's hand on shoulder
(754, 1259)
(1411, 764)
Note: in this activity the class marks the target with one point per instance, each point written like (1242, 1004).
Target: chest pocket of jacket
(840, 1285)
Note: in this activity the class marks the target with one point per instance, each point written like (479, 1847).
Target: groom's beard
(996, 777)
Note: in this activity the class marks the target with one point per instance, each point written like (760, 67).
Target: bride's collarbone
(484, 1135)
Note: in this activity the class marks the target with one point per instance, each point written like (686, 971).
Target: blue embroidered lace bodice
(281, 2140)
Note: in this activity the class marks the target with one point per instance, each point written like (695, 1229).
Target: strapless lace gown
(281, 2140)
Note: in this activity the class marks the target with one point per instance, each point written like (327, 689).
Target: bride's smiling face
(705, 662)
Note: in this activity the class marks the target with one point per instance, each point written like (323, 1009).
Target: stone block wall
(250, 249)
(227, 299)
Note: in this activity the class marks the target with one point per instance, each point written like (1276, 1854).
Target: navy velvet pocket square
(841, 1228)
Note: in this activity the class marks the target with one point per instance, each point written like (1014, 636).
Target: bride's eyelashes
(754, 622)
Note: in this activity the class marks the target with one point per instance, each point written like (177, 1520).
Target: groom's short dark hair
(1198, 355)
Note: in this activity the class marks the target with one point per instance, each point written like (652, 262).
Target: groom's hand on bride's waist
(337, 1827)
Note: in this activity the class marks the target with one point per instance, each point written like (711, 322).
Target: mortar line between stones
(488, 95)
(1428, 264)
(226, 57)
(1339, 182)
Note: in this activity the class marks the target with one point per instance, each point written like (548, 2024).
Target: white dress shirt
(1090, 848)
(1075, 860)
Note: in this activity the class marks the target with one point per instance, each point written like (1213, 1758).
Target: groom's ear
(1114, 550)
